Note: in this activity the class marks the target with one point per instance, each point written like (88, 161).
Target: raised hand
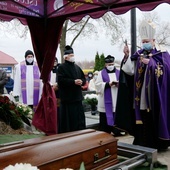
(126, 50)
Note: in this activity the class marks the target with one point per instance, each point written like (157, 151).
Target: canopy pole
(45, 13)
(133, 30)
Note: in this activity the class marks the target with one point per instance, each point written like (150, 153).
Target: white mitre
(147, 30)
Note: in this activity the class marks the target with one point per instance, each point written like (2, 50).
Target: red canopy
(45, 19)
(72, 9)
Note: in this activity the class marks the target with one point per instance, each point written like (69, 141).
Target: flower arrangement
(21, 166)
(23, 109)
(14, 114)
(91, 99)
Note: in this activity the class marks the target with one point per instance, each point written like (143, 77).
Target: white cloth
(129, 67)
(143, 105)
(53, 78)
(29, 84)
(100, 87)
(92, 86)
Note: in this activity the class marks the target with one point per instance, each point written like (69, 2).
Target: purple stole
(36, 84)
(139, 78)
(158, 77)
(108, 97)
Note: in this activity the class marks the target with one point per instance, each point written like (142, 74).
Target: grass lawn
(8, 138)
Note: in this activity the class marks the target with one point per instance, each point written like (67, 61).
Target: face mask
(30, 60)
(110, 68)
(95, 77)
(147, 46)
(55, 64)
(90, 75)
(72, 59)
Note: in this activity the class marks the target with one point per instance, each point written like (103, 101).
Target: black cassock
(71, 116)
(125, 117)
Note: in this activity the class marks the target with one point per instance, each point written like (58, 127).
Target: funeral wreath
(14, 114)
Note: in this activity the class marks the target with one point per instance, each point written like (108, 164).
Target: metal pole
(139, 159)
(133, 31)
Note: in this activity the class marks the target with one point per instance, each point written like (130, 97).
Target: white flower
(26, 110)
(11, 93)
(91, 96)
(21, 166)
(91, 99)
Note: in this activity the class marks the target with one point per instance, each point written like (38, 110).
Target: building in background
(7, 63)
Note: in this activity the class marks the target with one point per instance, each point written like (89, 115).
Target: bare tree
(76, 30)
(13, 28)
(114, 26)
(162, 34)
(111, 25)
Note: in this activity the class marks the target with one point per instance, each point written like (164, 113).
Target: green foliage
(102, 62)
(15, 121)
(82, 166)
(97, 62)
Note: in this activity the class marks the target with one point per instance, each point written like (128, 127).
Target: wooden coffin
(68, 150)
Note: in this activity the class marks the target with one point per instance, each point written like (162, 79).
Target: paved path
(91, 119)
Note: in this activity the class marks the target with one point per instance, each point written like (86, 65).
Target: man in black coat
(70, 80)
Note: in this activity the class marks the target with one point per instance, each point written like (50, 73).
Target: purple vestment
(36, 84)
(157, 97)
(108, 97)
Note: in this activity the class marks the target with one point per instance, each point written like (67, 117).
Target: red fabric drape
(45, 36)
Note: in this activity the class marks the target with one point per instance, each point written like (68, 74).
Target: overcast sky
(84, 50)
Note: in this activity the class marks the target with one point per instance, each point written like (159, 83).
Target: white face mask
(72, 59)
(55, 63)
(110, 68)
(30, 60)
(95, 77)
(90, 75)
